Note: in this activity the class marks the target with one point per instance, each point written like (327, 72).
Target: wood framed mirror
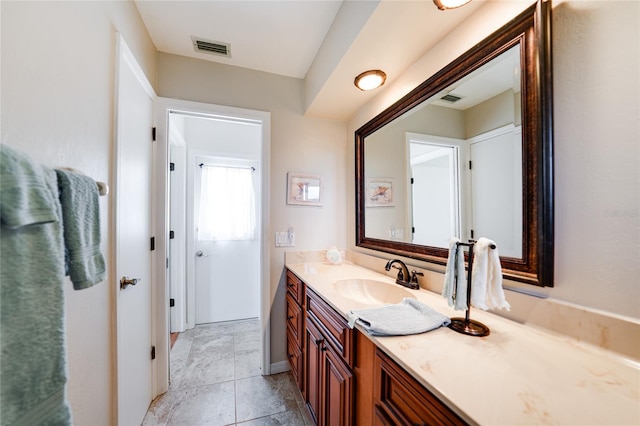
(468, 154)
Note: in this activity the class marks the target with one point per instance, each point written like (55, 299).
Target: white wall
(58, 62)
(596, 51)
(298, 144)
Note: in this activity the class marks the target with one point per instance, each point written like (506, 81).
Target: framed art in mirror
(379, 192)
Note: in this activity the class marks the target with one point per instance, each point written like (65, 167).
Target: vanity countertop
(516, 375)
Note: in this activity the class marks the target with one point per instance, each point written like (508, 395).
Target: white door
(227, 270)
(436, 215)
(496, 191)
(133, 233)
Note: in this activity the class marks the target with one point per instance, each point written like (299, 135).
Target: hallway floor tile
(216, 380)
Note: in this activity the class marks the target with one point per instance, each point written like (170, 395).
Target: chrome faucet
(411, 280)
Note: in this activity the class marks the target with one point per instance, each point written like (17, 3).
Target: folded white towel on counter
(407, 317)
(486, 290)
(455, 280)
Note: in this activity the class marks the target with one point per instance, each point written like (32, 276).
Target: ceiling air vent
(212, 47)
(451, 98)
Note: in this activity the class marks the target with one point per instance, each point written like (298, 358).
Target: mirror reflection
(491, 108)
(452, 166)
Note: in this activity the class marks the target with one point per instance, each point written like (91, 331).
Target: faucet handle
(400, 276)
(414, 276)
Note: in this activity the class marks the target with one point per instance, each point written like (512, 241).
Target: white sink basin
(371, 292)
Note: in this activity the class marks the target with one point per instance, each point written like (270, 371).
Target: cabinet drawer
(333, 326)
(295, 287)
(400, 400)
(295, 319)
(295, 360)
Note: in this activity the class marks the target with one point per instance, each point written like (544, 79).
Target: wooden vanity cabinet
(344, 378)
(400, 400)
(295, 327)
(329, 379)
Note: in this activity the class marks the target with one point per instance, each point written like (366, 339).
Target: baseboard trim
(280, 367)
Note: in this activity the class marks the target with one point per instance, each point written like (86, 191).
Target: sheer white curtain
(227, 204)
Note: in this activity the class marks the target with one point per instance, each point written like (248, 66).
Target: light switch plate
(285, 239)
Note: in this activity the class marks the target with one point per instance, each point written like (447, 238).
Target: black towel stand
(466, 325)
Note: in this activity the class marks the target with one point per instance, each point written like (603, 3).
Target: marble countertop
(516, 375)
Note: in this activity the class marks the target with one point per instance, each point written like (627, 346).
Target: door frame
(460, 179)
(163, 107)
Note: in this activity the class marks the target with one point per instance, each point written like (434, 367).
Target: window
(227, 204)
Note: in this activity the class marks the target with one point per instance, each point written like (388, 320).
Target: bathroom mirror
(468, 154)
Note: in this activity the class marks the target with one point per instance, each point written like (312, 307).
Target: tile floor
(216, 380)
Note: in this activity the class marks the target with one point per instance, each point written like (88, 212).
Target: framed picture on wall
(304, 189)
(379, 192)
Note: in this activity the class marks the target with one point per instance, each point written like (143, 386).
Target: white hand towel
(455, 280)
(486, 290)
(407, 317)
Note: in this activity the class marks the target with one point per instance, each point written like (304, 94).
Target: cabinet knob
(318, 341)
(290, 317)
(324, 348)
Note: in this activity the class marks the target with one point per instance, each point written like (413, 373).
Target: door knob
(199, 253)
(126, 281)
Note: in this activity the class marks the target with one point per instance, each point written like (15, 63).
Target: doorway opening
(214, 275)
(434, 173)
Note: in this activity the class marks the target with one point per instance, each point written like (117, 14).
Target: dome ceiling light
(450, 4)
(370, 80)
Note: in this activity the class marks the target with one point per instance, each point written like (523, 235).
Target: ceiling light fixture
(450, 4)
(370, 80)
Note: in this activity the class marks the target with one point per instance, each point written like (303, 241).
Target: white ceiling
(285, 38)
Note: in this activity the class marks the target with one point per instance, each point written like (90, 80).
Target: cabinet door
(337, 398)
(400, 400)
(312, 367)
(295, 360)
(380, 418)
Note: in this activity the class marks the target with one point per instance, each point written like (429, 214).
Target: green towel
(32, 363)
(25, 199)
(81, 219)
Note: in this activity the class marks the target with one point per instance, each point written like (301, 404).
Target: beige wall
(597, 151)
(58, 62)
(298, 144)
(492, 114)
